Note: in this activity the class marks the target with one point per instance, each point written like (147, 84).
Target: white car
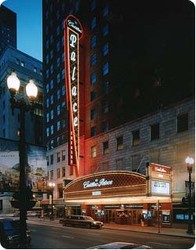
(120, 245)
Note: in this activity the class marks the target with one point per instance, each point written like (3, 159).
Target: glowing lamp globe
(31, 90)
(189, 160)
(13, 83)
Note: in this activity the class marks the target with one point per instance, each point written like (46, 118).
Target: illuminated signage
(97, 183)
(160, 187)
(73, 32)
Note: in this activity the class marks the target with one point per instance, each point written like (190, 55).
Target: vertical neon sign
(72, 35)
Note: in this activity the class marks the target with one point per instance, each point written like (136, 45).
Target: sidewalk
(134, 228)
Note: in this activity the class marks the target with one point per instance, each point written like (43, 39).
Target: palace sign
(72, 34)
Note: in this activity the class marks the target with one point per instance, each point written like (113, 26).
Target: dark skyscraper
(8, 23)
(134, 60)
(136, 94)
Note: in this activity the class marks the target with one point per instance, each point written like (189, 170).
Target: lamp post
(23, 198)
(189, 162)
(51, 187)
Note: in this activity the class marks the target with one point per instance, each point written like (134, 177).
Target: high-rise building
(136, 59)
(26, 68)
(8, 23)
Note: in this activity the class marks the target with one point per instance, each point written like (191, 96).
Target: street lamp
(22, 199)
(189, 162)
(51, 187)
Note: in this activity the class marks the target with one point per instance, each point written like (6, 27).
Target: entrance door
(109, 216)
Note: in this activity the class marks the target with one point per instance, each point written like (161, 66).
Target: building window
(58, 173)
(58, 157)
(58, 109)
(182, 122)
(93, 42)
(93, 59)
(93, 131)
(105, 147)
(47, 132)
(93, 23)
(51, 84)
(63, 171)
(52, 114)
(52, 129)
(105, 30)
(51, 144)
(105, 126)
(93, 152)
(135, 137)
(93, 114)
(93, 95)
(154, 131)
(58, 141)
(51, 174)
(58, 125)
(22, 64)
(119, 143)
(51, 159)
(106, 10)
(105, 107)
(106, 86)
(93, 78)
(47, 88)
(105, 49)
(105, 69)
(63, 155)
(60, 190)
(93, 5)
(51, 99)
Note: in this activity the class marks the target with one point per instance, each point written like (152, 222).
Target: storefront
(123, 197)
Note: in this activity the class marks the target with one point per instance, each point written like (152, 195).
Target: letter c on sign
(75, 107)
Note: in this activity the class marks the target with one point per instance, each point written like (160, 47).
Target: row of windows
(93, 58)
(60, 93)
(60, 156)
(57, 141)
(60, 124)
(105, 71)
(182, 125)
(60, 172)
(104, 109)
(23, 64)
(59, 109)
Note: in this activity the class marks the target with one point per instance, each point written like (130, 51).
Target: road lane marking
(164, 244)
(66, 236)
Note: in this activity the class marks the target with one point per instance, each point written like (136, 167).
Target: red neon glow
(72, 34)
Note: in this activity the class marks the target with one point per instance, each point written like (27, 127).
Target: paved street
(52, 235)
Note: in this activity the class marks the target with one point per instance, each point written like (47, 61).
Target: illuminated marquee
(72, 34)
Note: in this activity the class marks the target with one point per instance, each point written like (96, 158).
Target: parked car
(10, 233)
(121, 245)
(81, 221)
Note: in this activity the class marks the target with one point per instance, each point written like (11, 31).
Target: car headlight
(10, 238)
